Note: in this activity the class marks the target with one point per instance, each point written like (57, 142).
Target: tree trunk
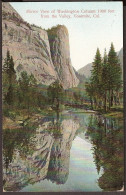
(91, 103)
(105, 125)
(118, 99)
(94, 103)
(28, 109)
(109, 99)
(112, 98)
(115, 98)
(105, 102)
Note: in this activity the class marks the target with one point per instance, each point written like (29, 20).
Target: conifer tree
(55, 94)
(96, 76)
(105, 79)
(114, 74)
(9, 79)
(105, 82)
(90, 89)
(6, 62)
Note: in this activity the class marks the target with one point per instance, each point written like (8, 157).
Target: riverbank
(19, 122)
(114, 112)
(23, 118)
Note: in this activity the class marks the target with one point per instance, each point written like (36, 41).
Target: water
(82, 172)
(74, 153)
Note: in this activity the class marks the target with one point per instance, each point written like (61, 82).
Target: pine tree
(90, 89)
(24, 90)
(105, 79)
(55, 94)
(114, 74)
(9, 79)
(6, 62)
(96, 77)
(27, 93)
(10, 95)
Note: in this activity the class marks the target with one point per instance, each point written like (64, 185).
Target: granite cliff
(34, 51)
(60, 53)
(120, 55)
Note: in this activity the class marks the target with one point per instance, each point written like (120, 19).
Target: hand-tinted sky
(85, 34)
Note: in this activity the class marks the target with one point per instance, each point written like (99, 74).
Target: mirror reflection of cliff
(32, 156)
(107, 138)
(60, 154)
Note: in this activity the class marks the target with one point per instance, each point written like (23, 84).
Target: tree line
(20, 93)
(105, 84)
(103, 90)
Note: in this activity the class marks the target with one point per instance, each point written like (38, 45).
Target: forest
(103, 91)
(105, 84)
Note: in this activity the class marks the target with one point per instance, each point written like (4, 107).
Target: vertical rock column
(60, 53)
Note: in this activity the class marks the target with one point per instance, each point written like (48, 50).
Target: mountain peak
(58, 30)
(8, 12)
(86, 70)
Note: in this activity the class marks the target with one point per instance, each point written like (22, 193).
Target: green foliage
(104, 86)
(55, 95)
(114, 70)
(106, 135)
(23, 93)
(97, 69)
(19, 140)
(9, 80)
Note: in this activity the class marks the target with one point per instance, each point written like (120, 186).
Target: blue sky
(85, 34)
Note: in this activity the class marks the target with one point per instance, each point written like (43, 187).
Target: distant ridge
(86, 70)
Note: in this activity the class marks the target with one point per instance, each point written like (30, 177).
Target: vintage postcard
(62, 96)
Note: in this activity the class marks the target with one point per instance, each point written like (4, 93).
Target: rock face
(80, 77)
(28, 45)
(30, 48)
(86, 70)
(120, 55)
(60, 52)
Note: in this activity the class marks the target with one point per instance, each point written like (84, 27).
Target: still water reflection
(76, 152)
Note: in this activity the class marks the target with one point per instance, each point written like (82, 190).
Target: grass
(115, 112)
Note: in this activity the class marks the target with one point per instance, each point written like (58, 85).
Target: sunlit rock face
(60, 52)
(120, 55)
(38, 156)
(30, 47)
